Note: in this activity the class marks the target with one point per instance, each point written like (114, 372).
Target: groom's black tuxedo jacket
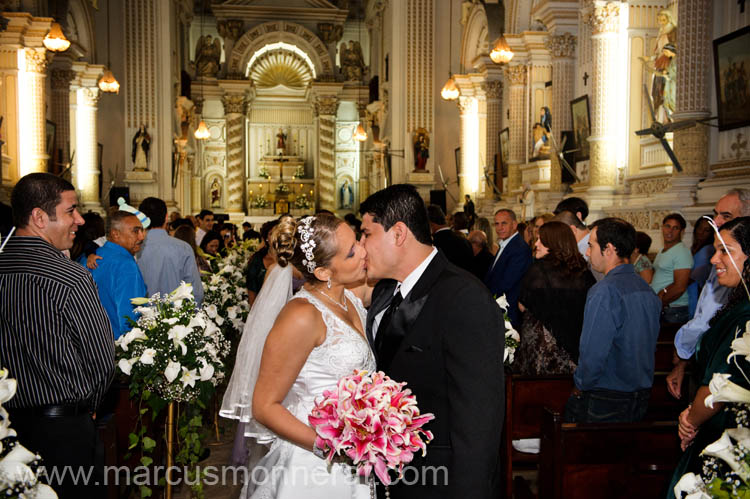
(446, 341)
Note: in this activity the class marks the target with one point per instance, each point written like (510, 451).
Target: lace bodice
(343, 350)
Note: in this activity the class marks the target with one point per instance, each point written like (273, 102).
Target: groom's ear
(400, 232)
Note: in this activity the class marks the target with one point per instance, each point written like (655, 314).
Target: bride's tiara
(308, 244)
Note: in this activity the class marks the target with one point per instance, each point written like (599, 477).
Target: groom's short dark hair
(399, 203)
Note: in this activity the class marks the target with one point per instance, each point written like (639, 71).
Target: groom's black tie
(385, 321)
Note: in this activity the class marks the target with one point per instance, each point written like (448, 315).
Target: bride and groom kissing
(429, 324)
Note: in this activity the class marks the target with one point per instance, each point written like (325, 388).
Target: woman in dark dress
(553, 295)
(701, 425)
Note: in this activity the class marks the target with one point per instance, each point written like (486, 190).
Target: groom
(437, 328)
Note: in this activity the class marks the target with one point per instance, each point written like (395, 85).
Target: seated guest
(553, 294)
(701, 425)
(620, 325)
(672, 270)
(454, 246)
(702, 250)
(482, 260)
(117, 276)
(639, 258)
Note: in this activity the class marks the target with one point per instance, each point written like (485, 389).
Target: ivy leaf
(148, 443)
(133, 439)
(146, 491)
(146, 461)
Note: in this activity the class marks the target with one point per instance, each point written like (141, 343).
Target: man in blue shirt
(620, 327)
(165, 261)
(735, 203)
(117, 276)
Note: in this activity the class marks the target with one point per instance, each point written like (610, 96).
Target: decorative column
(60, 79)
(196, 199)
(517, 77)
(32, 119)
(235, 104)
(693, 67)
(493, 92)
(562, 49)
(469, 112)
(604, 20)
(86, 174)
(325, 108)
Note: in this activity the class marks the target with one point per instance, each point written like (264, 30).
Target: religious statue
(421, 149)
(542, 130)
(659, 62)
(215, 193)
(183, 112)
(346, 195)
(141, 146)
(352, 61)
(207, 56)
(280, 142)
(527, 200)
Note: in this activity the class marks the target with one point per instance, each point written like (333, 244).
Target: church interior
(256, 107)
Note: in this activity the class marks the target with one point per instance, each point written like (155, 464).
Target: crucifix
(281, 159)
(585, 78)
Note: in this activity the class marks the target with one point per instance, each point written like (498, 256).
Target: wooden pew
(525, 399)
(607, 460)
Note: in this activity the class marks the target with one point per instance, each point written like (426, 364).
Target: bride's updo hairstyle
(311, 236)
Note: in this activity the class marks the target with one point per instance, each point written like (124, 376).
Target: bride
(316, 339)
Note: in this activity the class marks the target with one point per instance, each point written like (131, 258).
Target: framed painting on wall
(579, 112)
(731, 67)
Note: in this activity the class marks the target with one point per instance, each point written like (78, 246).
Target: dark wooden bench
(525, 400)
(608, 460)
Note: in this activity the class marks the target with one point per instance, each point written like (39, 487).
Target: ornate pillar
(493, 92)
(693, 67)
(234, 112)
(60, 79)
(562, 48)
(604, 20)
(86, 175)
(32, 119)
(517, 77)
(469, 113)
(325, 108)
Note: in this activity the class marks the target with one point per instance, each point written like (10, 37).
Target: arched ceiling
(280, 67)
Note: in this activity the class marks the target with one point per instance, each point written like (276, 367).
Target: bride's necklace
(343, 306)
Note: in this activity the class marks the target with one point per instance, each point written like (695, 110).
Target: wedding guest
(165, 261)
(701, 425)
(117, 276)
(537, 222)
(553, 296)
(702, 249)
(187, 233)
(248, 232)
(672, 270)
(460, 223)
(639, 258)
(576, 206)
(205, 223)
(55, 337)
(255, 273)
(455, 247)
(212, 244)
(485, 226)
(482, 260)
(87, 236)
(581, 233)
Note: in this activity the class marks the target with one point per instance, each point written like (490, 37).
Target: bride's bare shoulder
(299, 316)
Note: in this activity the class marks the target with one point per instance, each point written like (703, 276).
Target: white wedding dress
(289, 471)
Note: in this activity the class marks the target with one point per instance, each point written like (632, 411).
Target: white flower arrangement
(512, 338)
(171, 347)
(259, 201)
(303, 202)
(282, 188)
(263, 172)
(299, 172)
(19, 467)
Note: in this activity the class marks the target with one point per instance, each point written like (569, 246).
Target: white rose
(232, 312)
(172, 370)
(219, 320)
(147, 357)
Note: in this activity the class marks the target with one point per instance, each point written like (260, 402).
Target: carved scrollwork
(230, 29)
(36, 62)
(604, 17)
(493, 89)
(516, 75)
(561, 45)
(650, 186)
(326, 104)
(91, 96)
(61, 78)
(234, 103)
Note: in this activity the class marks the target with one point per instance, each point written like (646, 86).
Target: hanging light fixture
(501, 53)
(201, 133)
(450, 90)
(108, 83)
(55, 39)
(360, 134)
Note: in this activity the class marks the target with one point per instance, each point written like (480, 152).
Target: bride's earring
(329, 283)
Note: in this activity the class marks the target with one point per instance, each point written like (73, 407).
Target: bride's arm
(298, 329)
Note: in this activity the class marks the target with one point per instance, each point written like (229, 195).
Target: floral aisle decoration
(19, 467)
(726, 462)
(371, 421)
(302, 202)
(174, 353)
(512, 338)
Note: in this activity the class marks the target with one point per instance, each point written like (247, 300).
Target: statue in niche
(346, 195)
(528, 201)
(542, 130)
(183, 112)
(352, 61)
(207, 56)
(658, 63)
(280, 142)
(215, 193)
(421, 149)
(141, 146)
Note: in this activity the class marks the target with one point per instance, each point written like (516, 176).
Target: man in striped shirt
(55, 337)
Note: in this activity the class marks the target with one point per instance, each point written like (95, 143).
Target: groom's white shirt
(405, 287)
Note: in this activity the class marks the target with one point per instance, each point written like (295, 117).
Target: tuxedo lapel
(407, 314)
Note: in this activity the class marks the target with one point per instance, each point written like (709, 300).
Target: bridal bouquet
(373, 421)
(19, 468)
(174, 349)
(726, 464)
(512, 338)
